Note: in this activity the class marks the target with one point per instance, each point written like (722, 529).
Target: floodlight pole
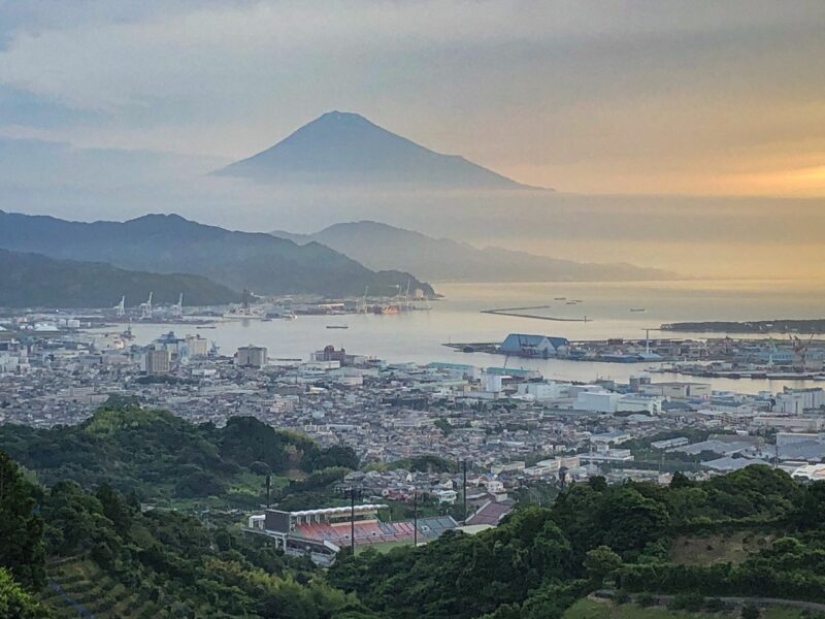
(352, 519)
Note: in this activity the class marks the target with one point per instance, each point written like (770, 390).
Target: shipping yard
(726, 357)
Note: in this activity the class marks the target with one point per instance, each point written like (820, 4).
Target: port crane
(177, 309)
(774, 350)
(800, 350)
(120, 308)
(407, 306)
(363, 308)
(647, 340)
(146, 308)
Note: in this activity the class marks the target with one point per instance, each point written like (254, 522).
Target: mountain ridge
(172, 244)
(34, 280)
(442, 259)
(344, 148)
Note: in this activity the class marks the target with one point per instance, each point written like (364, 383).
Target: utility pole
(464, 493)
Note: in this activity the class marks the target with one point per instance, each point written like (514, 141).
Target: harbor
(791, 359)
(456, 320)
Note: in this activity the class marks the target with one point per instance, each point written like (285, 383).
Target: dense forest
(62, 538)
(170, 462)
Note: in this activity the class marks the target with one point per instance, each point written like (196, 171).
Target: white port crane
(146, 308)
(177, 309)
(120, 308)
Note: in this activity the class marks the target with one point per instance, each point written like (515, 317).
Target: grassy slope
(383, 547)
(704, 551)
(603, 609)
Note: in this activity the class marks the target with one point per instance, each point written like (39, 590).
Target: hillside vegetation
(167, 461)
(540, 561)
(604, 609)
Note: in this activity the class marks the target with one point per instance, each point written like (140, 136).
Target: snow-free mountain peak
(346, 149)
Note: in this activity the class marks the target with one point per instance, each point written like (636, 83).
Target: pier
(517, 312)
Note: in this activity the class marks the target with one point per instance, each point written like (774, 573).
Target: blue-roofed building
(540, 346)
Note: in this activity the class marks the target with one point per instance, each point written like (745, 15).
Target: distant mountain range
(33, 280)
(379, 245)
(341, 148)
(171, 244)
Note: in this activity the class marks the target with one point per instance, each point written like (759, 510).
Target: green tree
(75, 520)
(21, 529)
(600, 563)
(15, 602)
(115, 509)
(680, 480)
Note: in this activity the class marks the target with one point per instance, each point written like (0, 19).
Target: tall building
(198, 346)
(252, 356)
(156, 361)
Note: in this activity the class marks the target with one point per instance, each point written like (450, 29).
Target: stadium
(321, 533)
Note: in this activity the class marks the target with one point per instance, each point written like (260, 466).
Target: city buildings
(156, 361)
(252, 356)
(513, 427)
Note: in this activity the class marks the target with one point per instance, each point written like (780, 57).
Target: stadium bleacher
(333, 525)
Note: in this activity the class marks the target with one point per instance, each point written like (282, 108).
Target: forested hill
(108, 559)
(165, 459)
(32, 280)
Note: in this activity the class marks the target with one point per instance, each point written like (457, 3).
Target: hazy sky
(114, 108)
(699, 97)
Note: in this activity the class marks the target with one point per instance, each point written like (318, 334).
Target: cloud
(21, 108)
(703, 97)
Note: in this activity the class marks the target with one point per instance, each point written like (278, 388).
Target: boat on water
(337, 326)
(637, 309)
(560, 298)
(206, 327)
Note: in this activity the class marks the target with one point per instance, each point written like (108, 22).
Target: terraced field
(95, 594)
(604, 609)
